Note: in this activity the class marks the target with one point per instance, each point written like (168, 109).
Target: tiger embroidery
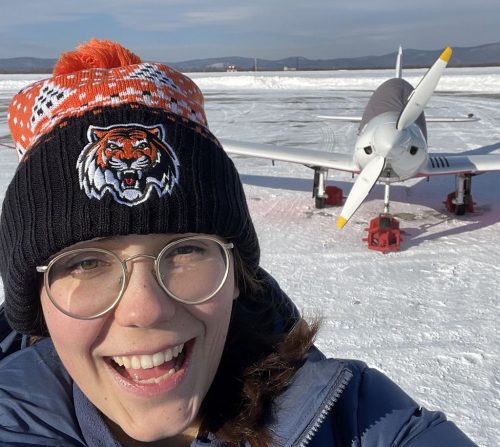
(129, 162)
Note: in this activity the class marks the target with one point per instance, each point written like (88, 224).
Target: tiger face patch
(128, 161)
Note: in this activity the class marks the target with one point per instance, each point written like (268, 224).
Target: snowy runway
(428, 315)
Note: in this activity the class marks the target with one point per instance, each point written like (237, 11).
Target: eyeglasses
(86, 283)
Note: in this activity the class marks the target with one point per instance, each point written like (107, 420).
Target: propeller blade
(419, 98)
(362, 186)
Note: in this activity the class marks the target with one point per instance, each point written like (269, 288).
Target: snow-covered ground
(427, 315)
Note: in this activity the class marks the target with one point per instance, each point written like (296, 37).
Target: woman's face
(149, 403)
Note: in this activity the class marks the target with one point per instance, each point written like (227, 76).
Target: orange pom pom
(95, 54)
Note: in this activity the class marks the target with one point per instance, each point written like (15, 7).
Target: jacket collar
(301, 409)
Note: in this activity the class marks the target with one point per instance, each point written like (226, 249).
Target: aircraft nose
(388, 141)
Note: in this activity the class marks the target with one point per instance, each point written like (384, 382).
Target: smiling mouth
(151, 369)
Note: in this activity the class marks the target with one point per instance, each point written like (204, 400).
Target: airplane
(391, 146)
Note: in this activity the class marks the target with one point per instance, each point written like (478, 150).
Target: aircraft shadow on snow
(429, 193)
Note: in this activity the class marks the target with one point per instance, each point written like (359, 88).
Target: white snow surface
(428, 315)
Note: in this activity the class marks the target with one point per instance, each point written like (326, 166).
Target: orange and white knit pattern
(41, 106)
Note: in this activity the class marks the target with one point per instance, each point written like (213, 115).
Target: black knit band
(59, 196)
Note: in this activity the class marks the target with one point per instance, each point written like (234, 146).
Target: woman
(129, 255)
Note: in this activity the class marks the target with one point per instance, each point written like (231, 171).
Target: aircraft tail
(399, 63)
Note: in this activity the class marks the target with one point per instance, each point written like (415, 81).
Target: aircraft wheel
(319, 202)
(460, 209)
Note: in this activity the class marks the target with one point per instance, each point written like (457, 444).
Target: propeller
(362, 186)
(419, 98)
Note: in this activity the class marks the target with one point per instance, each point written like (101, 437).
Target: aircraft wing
(460, 164)
(311, 158)
(451, 119)
(444, 119)
(349, 119)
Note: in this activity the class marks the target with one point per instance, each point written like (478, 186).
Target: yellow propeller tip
(446, 54)
(341, 221)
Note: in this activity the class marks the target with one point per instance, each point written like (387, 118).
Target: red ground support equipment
(384, 233)
(334, 196)
(452, 207)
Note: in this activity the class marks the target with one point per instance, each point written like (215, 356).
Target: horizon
(178, 31)
(297, 56)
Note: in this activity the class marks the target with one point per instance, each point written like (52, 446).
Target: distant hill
(26, 65)
(482, 55)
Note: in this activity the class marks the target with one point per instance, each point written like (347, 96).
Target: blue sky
(177, 30)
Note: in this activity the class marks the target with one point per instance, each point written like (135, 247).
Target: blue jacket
(330, 403)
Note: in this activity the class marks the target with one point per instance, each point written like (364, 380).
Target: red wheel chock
(452, 207)
(334, 196)
(384, 233)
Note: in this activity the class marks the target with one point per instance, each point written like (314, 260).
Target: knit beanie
(111, 145)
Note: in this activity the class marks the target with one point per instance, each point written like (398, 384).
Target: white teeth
(126, 362)
(146, 361)
(168, 355)
(118, 360)
(136, 362)
(157, 379)
(158, 358)
(179, 349)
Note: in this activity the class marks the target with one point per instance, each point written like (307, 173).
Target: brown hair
(266, 344)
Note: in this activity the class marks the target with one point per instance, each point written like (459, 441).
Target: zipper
(330, 400)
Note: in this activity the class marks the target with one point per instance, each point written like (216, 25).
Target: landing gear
(319, 187)
(325, 195)
(460, 209)
(386, 198)
(460, 201)
(384, 234)
(319, 202)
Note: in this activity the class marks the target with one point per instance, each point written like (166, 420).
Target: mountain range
(482, 55)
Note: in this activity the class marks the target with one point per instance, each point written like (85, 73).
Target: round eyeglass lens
(85, 283)
(193, 270)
